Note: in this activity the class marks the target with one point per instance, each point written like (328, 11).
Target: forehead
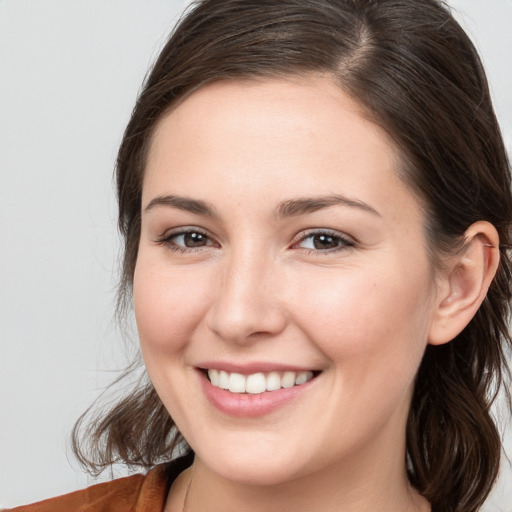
(298, 105)
(273, 137)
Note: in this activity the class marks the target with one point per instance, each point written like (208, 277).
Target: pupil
(324, 242)
(194, 240)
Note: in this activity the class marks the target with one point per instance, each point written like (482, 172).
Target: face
(282, 257)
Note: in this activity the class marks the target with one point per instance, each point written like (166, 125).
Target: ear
(462, 287)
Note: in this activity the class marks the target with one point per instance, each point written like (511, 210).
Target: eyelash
(343, 242)
(167, 240)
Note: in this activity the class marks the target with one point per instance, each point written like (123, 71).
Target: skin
(360, 311)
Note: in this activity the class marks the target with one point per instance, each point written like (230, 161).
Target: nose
(246, 305)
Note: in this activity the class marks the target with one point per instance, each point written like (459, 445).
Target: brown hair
(415, 71)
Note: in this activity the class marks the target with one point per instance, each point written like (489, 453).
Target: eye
(324, 241)
(186, 239)
(190, 239)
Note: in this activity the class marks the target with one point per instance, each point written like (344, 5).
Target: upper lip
(252, 367)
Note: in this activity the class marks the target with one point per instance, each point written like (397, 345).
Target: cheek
(365, 320)
(168, 306)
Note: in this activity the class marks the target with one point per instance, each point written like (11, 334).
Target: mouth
(255, 390)
(260, 382)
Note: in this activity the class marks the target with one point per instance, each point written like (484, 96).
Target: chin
(255, 467)
(260, 473)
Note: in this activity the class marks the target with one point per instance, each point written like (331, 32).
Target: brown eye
(190, 239)
(194, 239)
(324, 242)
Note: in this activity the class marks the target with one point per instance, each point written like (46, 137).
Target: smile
(256, 394)
(257, 383)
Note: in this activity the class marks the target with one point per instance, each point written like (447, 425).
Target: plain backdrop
(69, 75)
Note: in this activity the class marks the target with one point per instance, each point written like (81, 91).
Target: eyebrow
(306, 205)
(288, 208)
(182, 203)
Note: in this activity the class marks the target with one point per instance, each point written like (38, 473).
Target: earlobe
(463, 287)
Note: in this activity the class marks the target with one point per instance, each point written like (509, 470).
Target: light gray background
(69, 74)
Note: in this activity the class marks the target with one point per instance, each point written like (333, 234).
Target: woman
(315, 201)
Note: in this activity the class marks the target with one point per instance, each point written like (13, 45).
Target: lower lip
(246, 405)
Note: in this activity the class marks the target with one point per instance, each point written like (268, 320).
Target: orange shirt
(137, 493)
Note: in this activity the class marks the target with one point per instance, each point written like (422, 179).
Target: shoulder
(137, 493)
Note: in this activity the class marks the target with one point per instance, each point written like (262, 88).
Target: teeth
(236, 383)
(257, 382)
(214, 377)
(223, 380)
(273, 381)
(303, 377)
(288, 380)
